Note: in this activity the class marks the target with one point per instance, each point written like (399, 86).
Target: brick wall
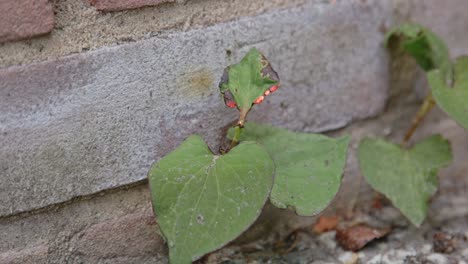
(32, 18)
(93, 92)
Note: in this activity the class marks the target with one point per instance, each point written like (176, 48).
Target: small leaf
(407, 177)
(203, 201)
(454, 101)
(358, 236)
(309, 167)
(425, 46)
(244, 83)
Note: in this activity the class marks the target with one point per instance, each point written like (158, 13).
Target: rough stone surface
(31, 254)
(25, 19)
(117, 5)
(93, 121)
(117, 227)
(79, 27)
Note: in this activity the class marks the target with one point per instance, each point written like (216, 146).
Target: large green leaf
(407, 177)
(309, 167)
(202, 201)
(248, 80)
(454, 101)
(426, 47)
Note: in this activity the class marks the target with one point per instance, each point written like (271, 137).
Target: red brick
(117, 5)
(25, 19)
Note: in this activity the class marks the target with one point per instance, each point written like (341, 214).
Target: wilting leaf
(309, 167)
(245, 82)
(408, 177)
(202, 201)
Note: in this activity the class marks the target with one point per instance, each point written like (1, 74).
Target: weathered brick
(97, 120)
(136, 234)
(117, 5)
(32, 254)
(117, 227)
(25, 19)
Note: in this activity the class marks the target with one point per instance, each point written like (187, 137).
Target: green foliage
(309, 167)
(454, 101)
(248, 80)
(407, 177)
(424, 46)
(433, 56)
(203, 201)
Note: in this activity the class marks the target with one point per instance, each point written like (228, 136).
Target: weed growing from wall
(204, 200)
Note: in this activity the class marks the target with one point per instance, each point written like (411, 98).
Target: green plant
(408, 177)
(204, 200)
(213, 198)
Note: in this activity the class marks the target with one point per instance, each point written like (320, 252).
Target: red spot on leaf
(274, 88)
(259, 100)
(231, 104)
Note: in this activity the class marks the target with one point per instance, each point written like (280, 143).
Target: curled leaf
(356, 237)
(248, 82)
(429, 51)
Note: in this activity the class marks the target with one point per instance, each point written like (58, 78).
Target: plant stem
(242, 116)
(235, 139)
(426, 106)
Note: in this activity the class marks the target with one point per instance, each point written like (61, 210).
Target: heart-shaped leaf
(408, 177)
(309, 167)
(454, 101)
(247, 82)
(425, 47)
(203, 201)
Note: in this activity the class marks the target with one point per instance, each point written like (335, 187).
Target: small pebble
(437, 258)
(349, 258)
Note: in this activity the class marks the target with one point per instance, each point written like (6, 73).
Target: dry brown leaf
(326, 223)
(356, 237)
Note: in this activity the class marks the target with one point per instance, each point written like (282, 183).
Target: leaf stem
(425, 108)
(242, 116)
(237, 134)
